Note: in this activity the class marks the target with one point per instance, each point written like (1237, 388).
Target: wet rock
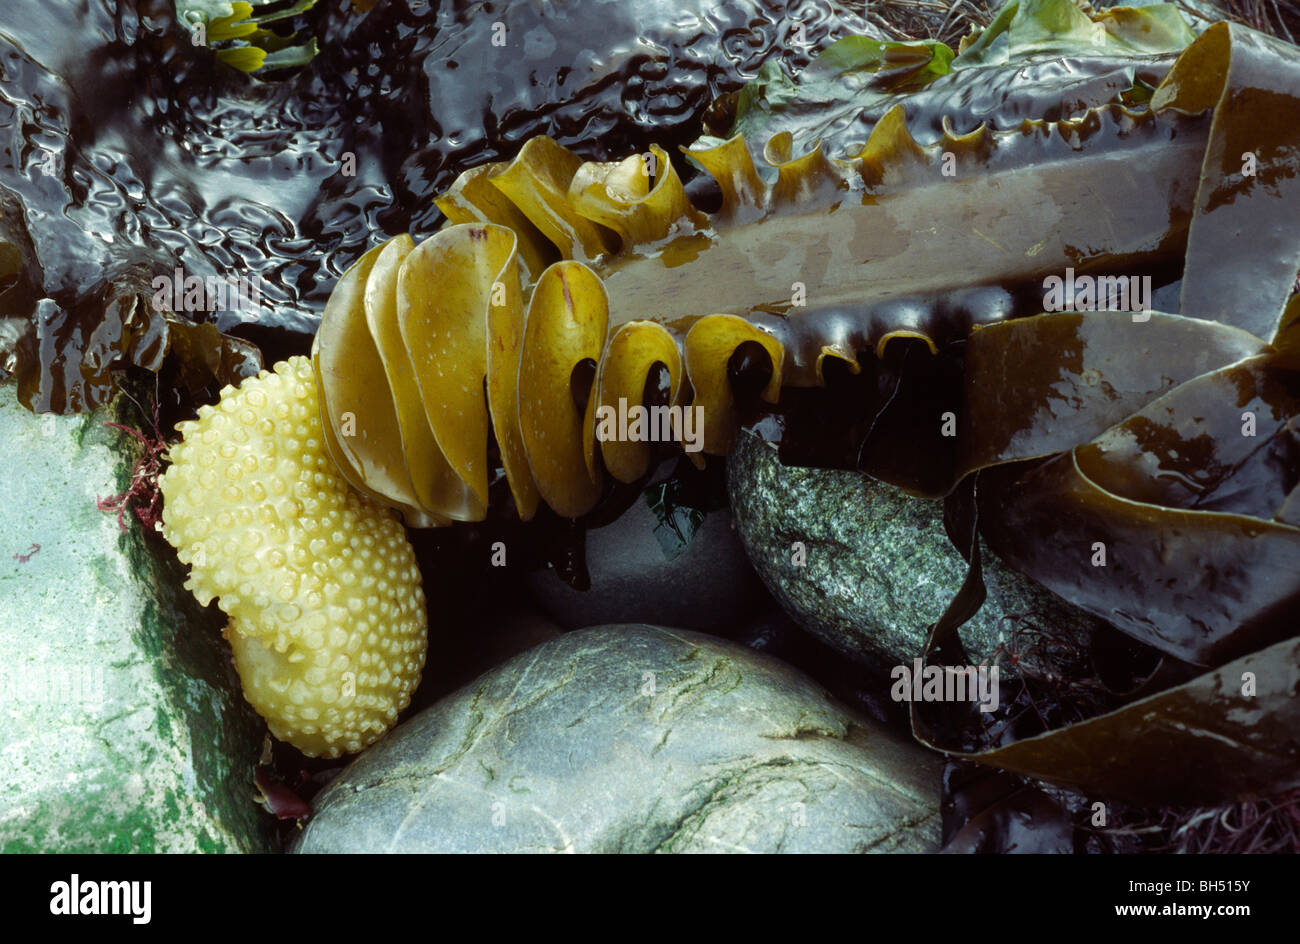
(123, 728)
(868, 568)
(634, 738)
(707, 585)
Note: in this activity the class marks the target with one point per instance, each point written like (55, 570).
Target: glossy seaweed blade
(1163, 499)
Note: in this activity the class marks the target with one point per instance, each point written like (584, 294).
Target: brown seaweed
(1231, 732)
(1175, 522)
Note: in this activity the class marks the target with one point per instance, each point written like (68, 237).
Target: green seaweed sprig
(859, 70)
(238, 35)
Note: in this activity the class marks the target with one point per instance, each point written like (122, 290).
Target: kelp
(1171, 515)
(1142, 464)
(1231, 732)
(812, 258)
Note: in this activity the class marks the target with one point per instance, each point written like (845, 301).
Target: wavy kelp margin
(1121, 417)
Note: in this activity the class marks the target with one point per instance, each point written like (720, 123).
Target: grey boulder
(634, 738)
(868, 568)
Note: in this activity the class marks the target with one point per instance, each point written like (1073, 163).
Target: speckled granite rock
(121, 728)
(877, 567)
(634, 738)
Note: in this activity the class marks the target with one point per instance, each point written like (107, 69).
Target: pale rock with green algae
(867, 568)
(634, 738)
(121, 724)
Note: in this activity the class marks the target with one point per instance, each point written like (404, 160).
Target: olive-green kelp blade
(1243, 249)
(1224, 441)
(567, 323)
(444, 291)
(1164, 524)
(709, 346)
(444, 284)
(505, 339)
(1233, 732)
(619, 196)
(633, 351)
(439, 491)
(537, 181)
(1041, 385)
(1178, 523)
(901, 221)
(472, 198)
(1202, 742)
(1187, 499)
